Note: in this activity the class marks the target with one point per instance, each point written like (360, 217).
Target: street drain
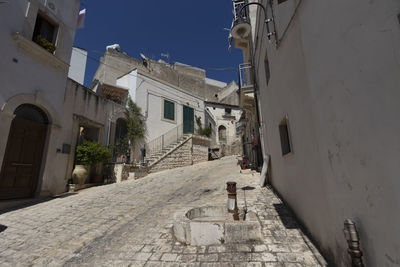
(2, 228)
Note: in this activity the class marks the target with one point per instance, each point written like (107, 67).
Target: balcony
(246, 85)
(241, 25)
(237, 6)
(246, 78)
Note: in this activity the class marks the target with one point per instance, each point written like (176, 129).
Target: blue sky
(192, 32)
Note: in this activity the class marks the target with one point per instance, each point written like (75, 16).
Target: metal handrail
(238, 13)
(159, 144)
(246, 75)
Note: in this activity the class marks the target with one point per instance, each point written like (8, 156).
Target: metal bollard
(232, 200)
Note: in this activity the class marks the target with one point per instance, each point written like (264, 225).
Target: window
(267, 70)
(228, 111)
(281, 1)
(285, 137)
(222, 133)
(169, 110)
(44, 33)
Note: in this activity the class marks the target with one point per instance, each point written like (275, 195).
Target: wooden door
(188, 120)
(23, 159)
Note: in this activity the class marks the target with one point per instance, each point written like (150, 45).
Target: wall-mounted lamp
(241, 28)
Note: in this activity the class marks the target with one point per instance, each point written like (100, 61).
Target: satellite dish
(241, 29)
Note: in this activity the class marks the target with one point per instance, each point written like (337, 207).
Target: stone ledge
(39, 53)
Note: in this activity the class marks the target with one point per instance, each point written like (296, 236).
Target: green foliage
(121, 146)
(45, 44)
(135, 122)
(200, 130)
(90, 153)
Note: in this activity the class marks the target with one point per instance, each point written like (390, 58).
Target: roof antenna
(166, 55)
(145, 60)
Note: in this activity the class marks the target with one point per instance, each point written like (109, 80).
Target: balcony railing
(237, 6)
(173, 136)
(246, 78)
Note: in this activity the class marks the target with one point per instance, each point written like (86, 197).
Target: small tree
(200, 130)
(135, 122)
(90, 153)
(121, 147)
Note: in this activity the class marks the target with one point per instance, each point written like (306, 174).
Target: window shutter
(169, 110)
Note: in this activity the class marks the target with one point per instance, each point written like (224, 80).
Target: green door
(188, 120)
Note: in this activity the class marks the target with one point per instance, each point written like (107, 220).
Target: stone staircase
(157, 155)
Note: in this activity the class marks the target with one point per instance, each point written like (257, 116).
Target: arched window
(222, 133)
(31, 113)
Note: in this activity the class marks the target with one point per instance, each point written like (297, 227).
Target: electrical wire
(144, 80)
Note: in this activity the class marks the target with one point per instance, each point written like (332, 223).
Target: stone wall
(115, 64)
(200, 149)
(236, 148)
(192, 151)
(123, 172)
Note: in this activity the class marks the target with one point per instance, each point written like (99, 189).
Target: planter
(80, 174)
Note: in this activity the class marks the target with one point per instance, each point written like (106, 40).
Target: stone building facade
(170, 95)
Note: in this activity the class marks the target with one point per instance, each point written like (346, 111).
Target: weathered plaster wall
(31, 77)
(221, 118)
(83, 107)
(337, 80)
(115, 64)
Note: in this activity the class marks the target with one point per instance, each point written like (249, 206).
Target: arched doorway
(23, 157)
(222, 134)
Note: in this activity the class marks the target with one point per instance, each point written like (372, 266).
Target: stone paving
(130, 224)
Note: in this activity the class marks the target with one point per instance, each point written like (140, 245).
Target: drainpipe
(108, 131)
(353, 241)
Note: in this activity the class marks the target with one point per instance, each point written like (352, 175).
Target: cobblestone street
(129, 224)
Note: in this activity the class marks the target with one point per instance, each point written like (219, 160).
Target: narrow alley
(130, 224)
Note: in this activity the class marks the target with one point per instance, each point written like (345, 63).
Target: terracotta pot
(80, 174)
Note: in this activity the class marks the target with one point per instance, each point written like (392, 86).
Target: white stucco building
(77, 68)
(36, 41)
(170, 95)
(223, 120)
(164, 105)
(327, 91)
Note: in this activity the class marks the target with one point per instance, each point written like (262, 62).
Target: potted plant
(88, 155)
(50, 47)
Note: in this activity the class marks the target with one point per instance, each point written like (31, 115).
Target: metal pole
(232, 200)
